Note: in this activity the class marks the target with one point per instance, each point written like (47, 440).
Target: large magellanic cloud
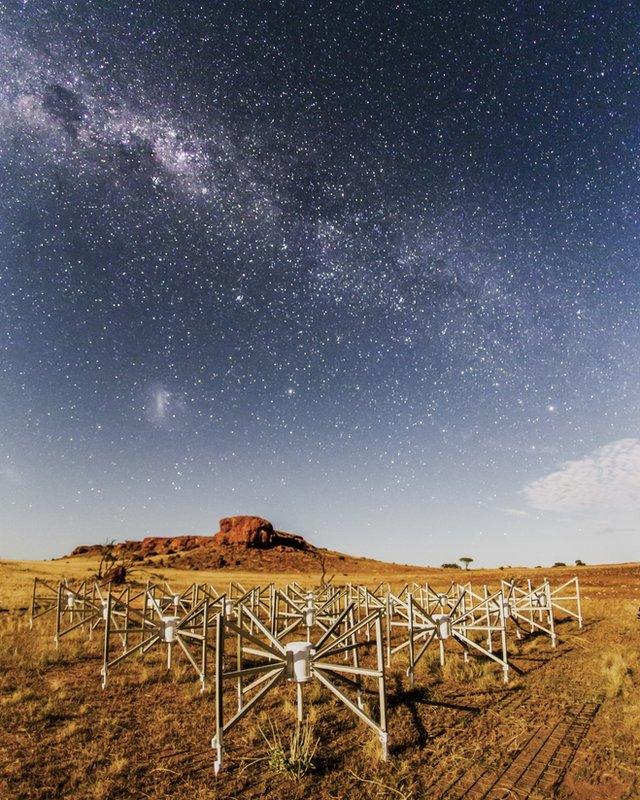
(164, 408)
(608, 479)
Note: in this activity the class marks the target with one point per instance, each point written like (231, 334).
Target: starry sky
(368, 269)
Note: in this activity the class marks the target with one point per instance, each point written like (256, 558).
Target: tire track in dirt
(542, 759)
(539, 766)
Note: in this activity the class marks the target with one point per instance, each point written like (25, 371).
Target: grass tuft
(295, 758)
(618, 671)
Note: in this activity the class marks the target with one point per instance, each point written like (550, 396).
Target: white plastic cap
(299, 661)
(168, 629)
(443, 625)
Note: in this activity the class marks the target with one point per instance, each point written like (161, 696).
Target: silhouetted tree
(107, 558)
(466, 561)
(113, 567)
(321, 555)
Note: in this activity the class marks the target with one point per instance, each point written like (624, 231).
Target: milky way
(368, 269)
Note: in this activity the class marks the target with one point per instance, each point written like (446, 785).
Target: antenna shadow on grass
(533, 663)
(412, 699)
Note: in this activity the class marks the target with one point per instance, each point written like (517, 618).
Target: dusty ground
(567, 725)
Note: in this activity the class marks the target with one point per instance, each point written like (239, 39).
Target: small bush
(296, 759)
(618, 671)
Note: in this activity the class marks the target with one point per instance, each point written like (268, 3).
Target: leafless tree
(107, 558)
(321, 555)
(113, 566)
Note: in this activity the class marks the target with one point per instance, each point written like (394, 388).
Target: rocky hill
(243, 542)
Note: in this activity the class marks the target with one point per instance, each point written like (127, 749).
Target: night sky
(370, 270)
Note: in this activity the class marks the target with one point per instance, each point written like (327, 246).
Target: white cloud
(606, 480)
(514, 512)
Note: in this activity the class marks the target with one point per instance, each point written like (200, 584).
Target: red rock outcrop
(162, 545)
(243, 541)
(246, 543)
(248, 531)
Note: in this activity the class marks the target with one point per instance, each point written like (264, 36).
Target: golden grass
(16, 577)
(293, 754)
(147, 735)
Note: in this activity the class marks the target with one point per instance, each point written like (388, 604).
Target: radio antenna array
(299, 662)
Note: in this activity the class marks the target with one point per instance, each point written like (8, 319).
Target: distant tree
(113, 567)
(559, 564)
(451, 566)
(107, 558)
(580, 563)
(321, 555)
(466, 561)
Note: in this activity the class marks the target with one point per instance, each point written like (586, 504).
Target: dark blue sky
(369, 270)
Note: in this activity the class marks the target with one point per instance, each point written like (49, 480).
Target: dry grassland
(567, 725)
